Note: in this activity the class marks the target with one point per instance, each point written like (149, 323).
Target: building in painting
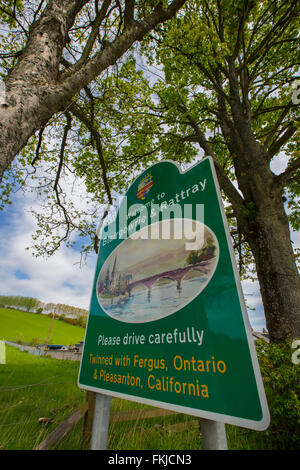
(113, 282)
(114, 278)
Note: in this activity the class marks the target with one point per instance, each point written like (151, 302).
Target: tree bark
(267, 226)
(268, 235)
(277, 273)
(34, 79)
(36, 89)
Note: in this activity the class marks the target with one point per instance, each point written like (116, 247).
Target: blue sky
(61, 279)
(57, 279)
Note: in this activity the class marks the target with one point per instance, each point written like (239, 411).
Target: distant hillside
(31, 328)
(165, 255)
(34, 305)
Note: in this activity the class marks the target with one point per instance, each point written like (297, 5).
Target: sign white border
(242, 422)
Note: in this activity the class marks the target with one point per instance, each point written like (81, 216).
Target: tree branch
(75, 80)
(231, 192)
(75, 109)
(37, 11)
(276, 146)
(279, 27)
(58, 173)
(277, 124)
(38, 147)
(13, 16)
(95, 141)
(37, 87)
(129, 13)
(93, 36)
(246, 8)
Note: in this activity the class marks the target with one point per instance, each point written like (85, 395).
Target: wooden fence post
(88, 419)
(63, 429)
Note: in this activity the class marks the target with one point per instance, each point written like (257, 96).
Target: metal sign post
(213, 435)
(100, 422)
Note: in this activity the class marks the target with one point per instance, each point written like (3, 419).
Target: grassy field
(32, 387)
(33, 328)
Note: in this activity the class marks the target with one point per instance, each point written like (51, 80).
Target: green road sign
(167, 323)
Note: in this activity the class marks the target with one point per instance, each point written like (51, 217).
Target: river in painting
(143, 306)
(145, 279)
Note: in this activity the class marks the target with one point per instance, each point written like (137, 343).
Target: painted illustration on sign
(145, 279)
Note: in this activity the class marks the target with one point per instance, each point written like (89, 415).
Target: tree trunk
(33, 80)
(277, 273)
(267, 231)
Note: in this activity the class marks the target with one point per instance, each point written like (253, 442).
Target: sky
(57, 279)
(62, 278)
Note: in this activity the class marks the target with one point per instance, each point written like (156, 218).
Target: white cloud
(253, 301)
(57, 279)
(279, 162)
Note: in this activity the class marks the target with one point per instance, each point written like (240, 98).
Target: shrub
(20, 338)
(35, 341)
(81, 321)
(282, 387)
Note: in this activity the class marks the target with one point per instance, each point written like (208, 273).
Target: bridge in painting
(174, 275)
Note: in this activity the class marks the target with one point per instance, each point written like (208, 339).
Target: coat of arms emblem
(145, 186)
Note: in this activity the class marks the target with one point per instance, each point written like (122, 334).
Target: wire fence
(32, 411)
(23, 405)
(18, 387)
(20, 425)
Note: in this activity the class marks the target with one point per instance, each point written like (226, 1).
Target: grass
(32, 387)
(154, 434)
(34, 328)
